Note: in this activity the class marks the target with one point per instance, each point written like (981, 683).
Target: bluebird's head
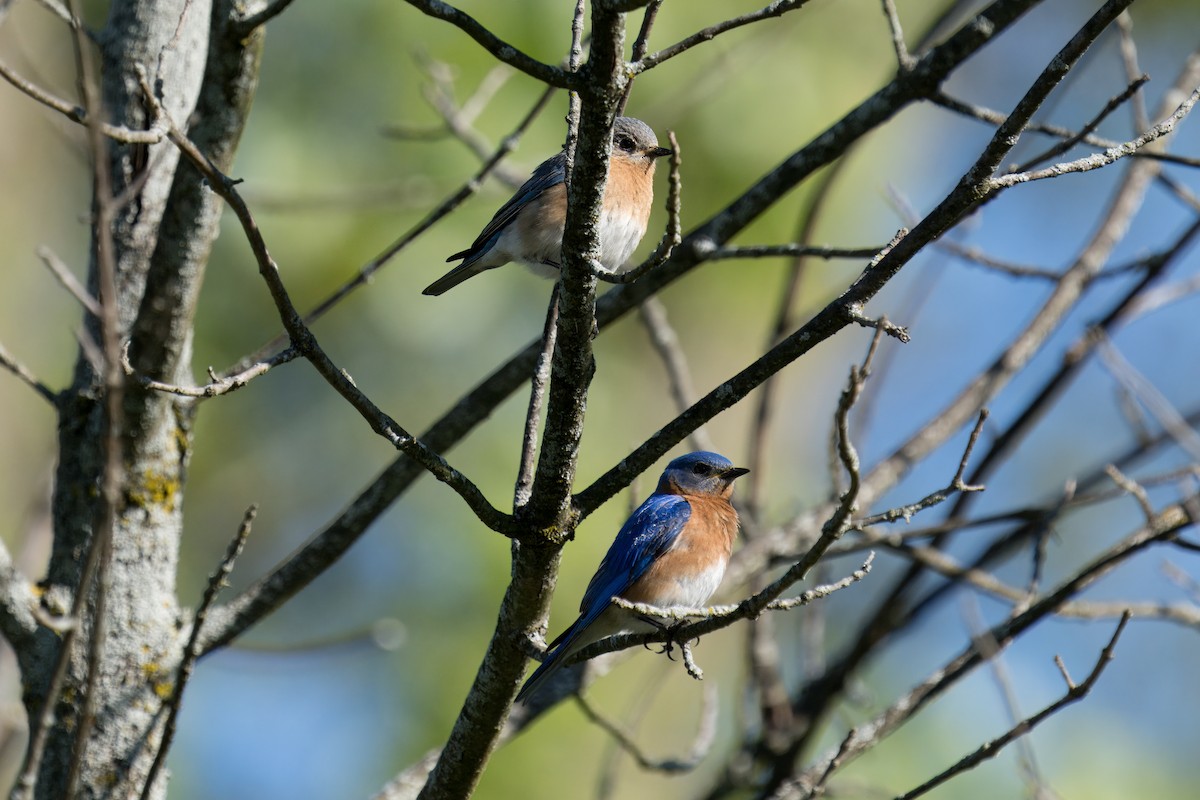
(700, 472)
(634, 140)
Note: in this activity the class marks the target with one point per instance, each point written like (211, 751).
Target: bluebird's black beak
(733, 473)
(659, 152)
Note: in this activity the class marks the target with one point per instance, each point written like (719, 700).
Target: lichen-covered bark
(203, 72)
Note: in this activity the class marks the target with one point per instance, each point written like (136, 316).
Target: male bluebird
(529, 227)
(671, 552)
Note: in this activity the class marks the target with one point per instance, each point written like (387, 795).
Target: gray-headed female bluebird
(672, 551)
(529, 227)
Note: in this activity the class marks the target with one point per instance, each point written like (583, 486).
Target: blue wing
(646, 535)
(550, 172)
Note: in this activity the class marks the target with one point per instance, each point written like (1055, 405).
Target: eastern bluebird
(529, 227)
(672, 551)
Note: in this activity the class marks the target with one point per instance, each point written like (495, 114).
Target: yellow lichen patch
(153, 490)
(181, 440)
(153, 671)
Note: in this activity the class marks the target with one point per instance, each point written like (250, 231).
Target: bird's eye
(625, 143)
(701, 469)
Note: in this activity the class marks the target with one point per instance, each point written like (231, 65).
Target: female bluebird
(671, 552)
(529, 227)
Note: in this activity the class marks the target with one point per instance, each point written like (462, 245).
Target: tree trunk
(204, 73)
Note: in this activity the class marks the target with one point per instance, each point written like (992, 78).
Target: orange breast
(689, 573)
(630, 189)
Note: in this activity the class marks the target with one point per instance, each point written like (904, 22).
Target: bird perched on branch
(529, 227)
(672, 551)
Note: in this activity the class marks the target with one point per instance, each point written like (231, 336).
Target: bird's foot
(667, 647)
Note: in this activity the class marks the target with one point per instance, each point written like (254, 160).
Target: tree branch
(497, 47)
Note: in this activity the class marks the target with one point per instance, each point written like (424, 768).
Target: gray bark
(201, 71)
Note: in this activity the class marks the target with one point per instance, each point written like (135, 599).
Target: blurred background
(366, 669)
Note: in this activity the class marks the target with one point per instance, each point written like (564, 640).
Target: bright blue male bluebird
(672, 551)
(529, 227)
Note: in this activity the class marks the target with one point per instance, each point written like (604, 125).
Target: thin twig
(904, 59)
(993, 747)
(216, 386)
(533, 413)
(995, 117)
(1141, 118)
(1004, 684)
(503, 51)
(1149, 395)
(458, 120)
(1066, 144)
(305, 342)
(653, 315)
(1165, 526)
(955, 486)
(780, 604)
(790, 251)
(68, 280)
(775, 9)
(8, 362)
(639, 46)
(701, 745)
(785, 320)
(78, 114)
(247, 26)
(1135, 490)
(113, 425)
(674, 232)
(1109, 156)
(367, 272)
(191, 651)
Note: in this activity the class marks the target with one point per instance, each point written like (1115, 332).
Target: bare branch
(679, 376)
(701, 745)
(673, 234)
(640, 45)
(79, 114)
(1138, 113)
(500, 49)
(1091, 125)
(1109, 156)
(216, 386)
(734, 609)
(8, 362)
(68, 280)
(191, 651)
(247, 25)
(537, 394)
(776, 9)
(995, 117)
(304, 342)
(790, 251)
(1165, 525)
(442, 210)
(1149, 395)
(1136, 491)
(993, 747)
(1004, 685)
(955, 486)
(904, 59)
